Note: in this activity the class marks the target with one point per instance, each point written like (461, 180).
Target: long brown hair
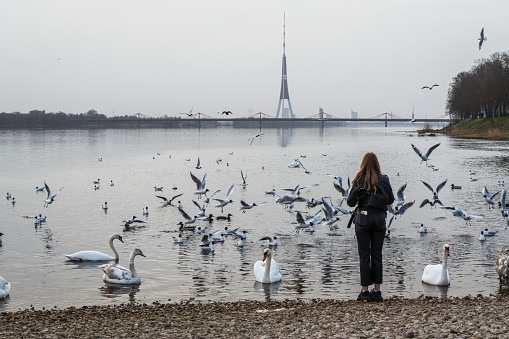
(370, 167)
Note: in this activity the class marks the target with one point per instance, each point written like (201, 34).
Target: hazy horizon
(162, 58)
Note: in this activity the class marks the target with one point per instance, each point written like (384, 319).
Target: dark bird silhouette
(428, 87)
(482, 38)
(227, 112)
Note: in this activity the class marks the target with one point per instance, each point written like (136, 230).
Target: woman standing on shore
(371, 192)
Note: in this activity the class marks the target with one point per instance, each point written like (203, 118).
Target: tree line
(58, 120)
(483, 91)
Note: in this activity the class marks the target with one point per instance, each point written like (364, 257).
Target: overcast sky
(162, 57)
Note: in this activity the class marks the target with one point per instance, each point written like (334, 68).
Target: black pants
(370, 233)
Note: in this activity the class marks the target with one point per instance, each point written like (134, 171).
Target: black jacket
(382, 198)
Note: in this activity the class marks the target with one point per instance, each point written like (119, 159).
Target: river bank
(494, 128)
(469, 317)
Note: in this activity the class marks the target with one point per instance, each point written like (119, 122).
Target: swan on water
(266, 270)
(96, 255)
(438, 274)
(5, 288)
(117, 274)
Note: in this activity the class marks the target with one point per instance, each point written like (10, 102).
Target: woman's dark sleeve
(391, 194)
(353, 196)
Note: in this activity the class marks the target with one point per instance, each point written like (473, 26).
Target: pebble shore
(424, 317)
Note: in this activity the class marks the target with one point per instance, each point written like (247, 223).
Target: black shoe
(364, 296)
(376, 296)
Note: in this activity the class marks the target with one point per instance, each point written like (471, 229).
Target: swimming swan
(96, 255)
(5, 288)
(266, 270)
(438, 274)
(117, 274)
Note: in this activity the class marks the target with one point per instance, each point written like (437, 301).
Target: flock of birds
(266, 270)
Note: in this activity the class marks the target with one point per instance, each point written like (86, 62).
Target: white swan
(438, 274)
(5, 288)
(96, 255)
(117, 274)
(266, 270)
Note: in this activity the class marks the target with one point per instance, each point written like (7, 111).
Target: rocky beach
(424, 317)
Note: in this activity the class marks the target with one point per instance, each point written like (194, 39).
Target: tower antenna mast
(284, 83)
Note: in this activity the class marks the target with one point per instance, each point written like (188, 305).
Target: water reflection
(269, 290)
(114, 291)
(435, 290)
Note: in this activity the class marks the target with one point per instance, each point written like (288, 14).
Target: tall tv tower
(287, 112)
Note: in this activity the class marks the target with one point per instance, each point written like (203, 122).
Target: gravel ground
(424, 317)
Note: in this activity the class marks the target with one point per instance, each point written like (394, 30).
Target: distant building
(354, 115)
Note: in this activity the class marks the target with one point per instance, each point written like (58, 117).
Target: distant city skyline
(159, 58)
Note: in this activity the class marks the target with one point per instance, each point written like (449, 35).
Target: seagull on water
(198, 164)
(244, 178)
(272, 241)
(189, 220)
(178, 240)
(50, 198)
(424, 157)
(158, 188)
(423, 229)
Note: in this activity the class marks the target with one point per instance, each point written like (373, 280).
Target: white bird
(462, 214)
(96, 255)
(201, 230)
(388, 228)
(198, 164)
(200, 185)
(186, 216)
(207, 198)
(117, 274)
(8, 196)
(435, 192)
(423, 229)
(288, 199)
(220, 239)
(245, 206)
(36, 221)
(105, 206)
(266, 271)
(218, 160)
(111, 183)
(438, 274)
(96, 188)
(424, 157)
(400, 197)
(145, 211)
(208, 248)
(97, 181)
(227, 200)
(178, 240)
(240, 243)
(309, 222)
(1, 238)
(431, 203)
(202, 210)
(5, 288)
(488, 198)
(50, 198)
(244, 178)
(330, 219)
(272, 241)
(482, 237)
(37, 189)
(13, 200)
(158, 188)
(241, 236)
(132, 221)
(482, 38)
(169, 201)
(401, 209)
(489, 233)
(230, 232)
(505, 212)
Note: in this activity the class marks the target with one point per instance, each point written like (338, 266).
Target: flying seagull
(482, 38)
(424, 157)
(50, 197)
(429, 87)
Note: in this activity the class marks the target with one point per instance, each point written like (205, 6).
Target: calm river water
(323, 264)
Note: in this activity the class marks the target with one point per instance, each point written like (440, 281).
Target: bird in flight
(428, 87)
(482, 38)
(227, 112)
(190, 112)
